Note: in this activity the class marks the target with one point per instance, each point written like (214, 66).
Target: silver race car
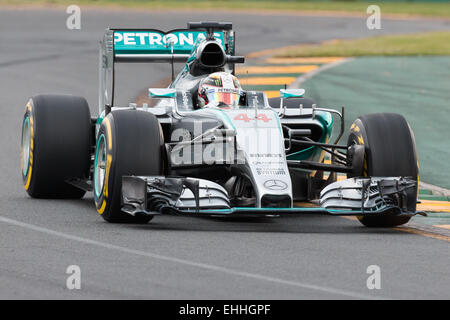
(208, 147)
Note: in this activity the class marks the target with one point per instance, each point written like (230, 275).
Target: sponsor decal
(270, 171)
(244, 117)
(157, 42)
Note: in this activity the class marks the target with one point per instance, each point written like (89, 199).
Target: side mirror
(292, 93)
(287, 94)
(162, 93)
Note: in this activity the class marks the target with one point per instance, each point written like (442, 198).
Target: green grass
(405, 8)
(430, 43)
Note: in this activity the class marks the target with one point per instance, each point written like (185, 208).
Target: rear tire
(390, 151)
(55, 145)
(129, 142)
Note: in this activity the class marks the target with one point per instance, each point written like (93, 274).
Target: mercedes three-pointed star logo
(274, 184)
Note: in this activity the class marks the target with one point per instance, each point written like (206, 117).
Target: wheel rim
(25, 151)
(100, 166)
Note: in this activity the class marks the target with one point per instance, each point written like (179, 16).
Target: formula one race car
(207, 147)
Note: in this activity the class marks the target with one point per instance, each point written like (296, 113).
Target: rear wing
(152, 45)
(156, 46)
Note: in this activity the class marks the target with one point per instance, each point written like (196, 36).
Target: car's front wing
(154, 195)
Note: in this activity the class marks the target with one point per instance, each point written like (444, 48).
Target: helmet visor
(221, 97)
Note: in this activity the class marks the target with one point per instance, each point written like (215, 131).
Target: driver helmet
(219, 89)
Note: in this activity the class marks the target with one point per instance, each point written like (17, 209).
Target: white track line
(435, 189)
(190, 263)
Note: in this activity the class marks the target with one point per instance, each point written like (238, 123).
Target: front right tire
(129, 142)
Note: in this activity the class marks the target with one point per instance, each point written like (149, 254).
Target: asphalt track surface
(174, 257)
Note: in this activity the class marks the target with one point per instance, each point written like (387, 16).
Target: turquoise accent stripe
(154, 94)
(249, 209)
(100, 118)
(276, 211)
(225, 117)
(278, 121)
(292, 93)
